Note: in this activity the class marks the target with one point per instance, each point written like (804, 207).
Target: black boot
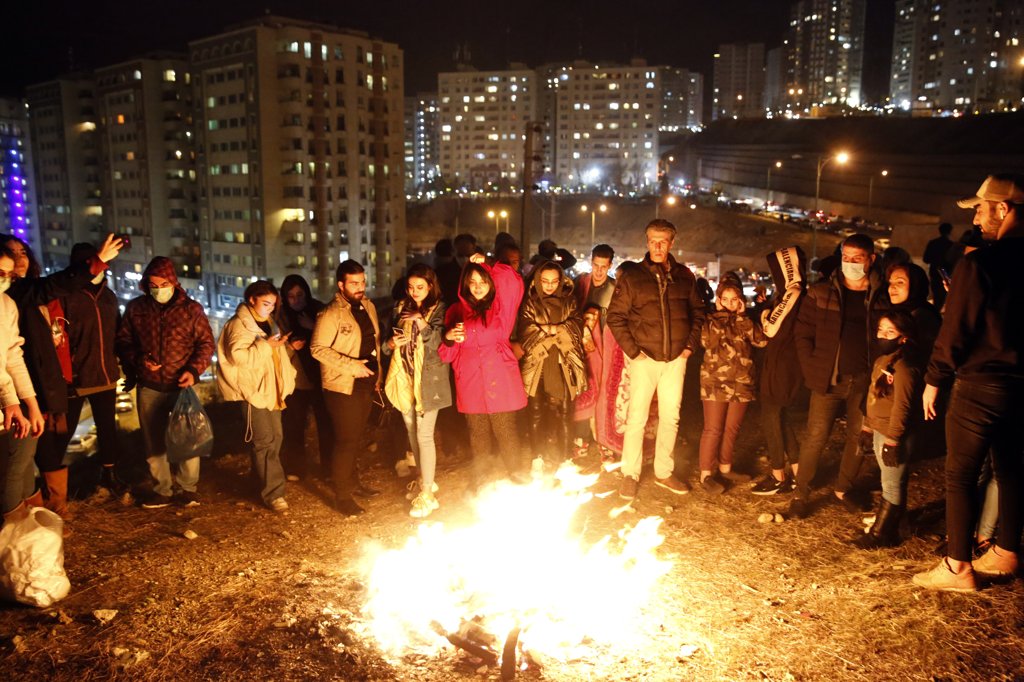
(885, 531)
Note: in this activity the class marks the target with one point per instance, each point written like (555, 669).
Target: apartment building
(482, 118)
(738, 81)
(17, 186)
(299, 139)
(63, 125)
(147, 168)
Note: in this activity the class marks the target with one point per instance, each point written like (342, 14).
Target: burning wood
(460, 585)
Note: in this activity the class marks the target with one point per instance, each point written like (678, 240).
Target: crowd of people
(533, 367)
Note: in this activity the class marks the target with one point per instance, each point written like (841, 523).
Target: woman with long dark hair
(417, 382)
(489, 387)
(894, 391)
(296, 316)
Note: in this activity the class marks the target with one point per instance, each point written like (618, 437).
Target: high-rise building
(482, 117)
(682, 96)
(299, 130)
(425, 141)
(603, 123)
(774, 80)
(738, 81)
(17, 186)
(824, 50)
(958, 55)
(63, 124)
(408, 152)
(147, 164)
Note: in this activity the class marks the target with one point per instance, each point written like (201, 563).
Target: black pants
(502, 427)
(293, 452)
(821, 415)
(53, 445)
(778, 432)
(983, 417)
(550, 427)
(348, 418)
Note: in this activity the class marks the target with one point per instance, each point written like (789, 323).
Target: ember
(522, 567)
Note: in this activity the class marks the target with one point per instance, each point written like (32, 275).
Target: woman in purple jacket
(489, 387)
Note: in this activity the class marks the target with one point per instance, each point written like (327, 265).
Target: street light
(840, 158)
(593, 220)
(670, 200)
(768, 184)
(871, 189)
(496, 217)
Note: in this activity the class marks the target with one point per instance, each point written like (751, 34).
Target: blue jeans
(894, 479)
(154, 411)
(17, 469)
(421, 440)
(266, 449)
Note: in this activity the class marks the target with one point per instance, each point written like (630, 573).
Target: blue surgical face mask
(162, 294)
(854, 271)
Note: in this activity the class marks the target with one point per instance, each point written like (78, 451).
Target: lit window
(120, 119)
(170, 76)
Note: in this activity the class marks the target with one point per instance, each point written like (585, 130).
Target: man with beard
(346, 342)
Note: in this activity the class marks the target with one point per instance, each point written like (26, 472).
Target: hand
(110, 248)
(186, 379)
(152, 366)
(478, 258)
(866, 443)
(37, 423)
(15, 422)
(891, 454)
(278, 340)
(362, 371)
(457, 333)
(399, 340)
(687, 353)
(298, 344)
(931, 393)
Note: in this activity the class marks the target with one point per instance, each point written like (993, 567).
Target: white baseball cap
(996, 188)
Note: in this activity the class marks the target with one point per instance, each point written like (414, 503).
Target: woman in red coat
(489, 386)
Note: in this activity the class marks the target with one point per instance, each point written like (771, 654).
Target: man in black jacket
(833, 333)
(655, 316)
(980, 352)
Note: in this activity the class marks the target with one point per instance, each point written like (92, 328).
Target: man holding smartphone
(935, 257)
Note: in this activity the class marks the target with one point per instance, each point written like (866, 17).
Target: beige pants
(646, 377)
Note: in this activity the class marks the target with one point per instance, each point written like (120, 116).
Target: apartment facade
(63, 124)
(299, 131)
(738, 81)
(482, 118)
(682, 99)
(17, 186)
(824, 50)
(147, 168)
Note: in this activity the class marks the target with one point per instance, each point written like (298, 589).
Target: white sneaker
(423, 505)
(279, 505)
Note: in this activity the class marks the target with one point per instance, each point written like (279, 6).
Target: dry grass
(258, 596)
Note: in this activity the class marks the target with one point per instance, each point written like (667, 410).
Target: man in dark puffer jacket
(656, 316)
(833, 341)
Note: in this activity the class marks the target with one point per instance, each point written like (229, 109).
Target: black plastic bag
(189, 432)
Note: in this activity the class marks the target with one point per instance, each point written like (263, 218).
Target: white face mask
(854, 271)
(5, 284)
(162, 295)
(99, 278)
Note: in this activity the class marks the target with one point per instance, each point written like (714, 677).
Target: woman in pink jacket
(488, 384)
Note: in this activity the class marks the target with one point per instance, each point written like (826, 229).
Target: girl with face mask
(296, 315)
(894, 394)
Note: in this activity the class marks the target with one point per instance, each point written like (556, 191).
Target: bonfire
(519, 584)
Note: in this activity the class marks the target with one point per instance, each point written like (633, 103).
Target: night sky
(44, 37)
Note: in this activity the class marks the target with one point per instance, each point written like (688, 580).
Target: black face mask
(886, 346)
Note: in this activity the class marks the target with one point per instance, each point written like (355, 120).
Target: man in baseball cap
(993, 200)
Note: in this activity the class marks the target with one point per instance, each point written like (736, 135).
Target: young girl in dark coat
(895, 391)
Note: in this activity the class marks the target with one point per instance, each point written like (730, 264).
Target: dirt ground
(264, 596)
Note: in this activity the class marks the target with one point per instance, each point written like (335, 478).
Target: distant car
(82, 444)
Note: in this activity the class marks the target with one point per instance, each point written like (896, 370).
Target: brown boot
(57, 487)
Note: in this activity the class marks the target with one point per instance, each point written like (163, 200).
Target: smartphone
(944, 274)
(397, 331)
